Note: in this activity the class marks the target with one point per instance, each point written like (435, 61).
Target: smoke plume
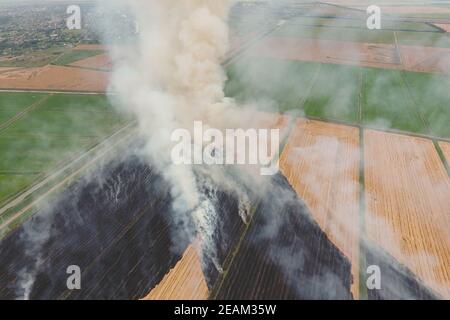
(171, 77)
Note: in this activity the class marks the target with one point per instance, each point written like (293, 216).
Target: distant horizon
(41, 1)
(385, 2)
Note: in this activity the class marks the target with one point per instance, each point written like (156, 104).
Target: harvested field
(376, 55)
(53, 77)
(321, 162)
(6, 69)
(445, 146)
(391, 8)
(184, 282)
(328, 51)
(102, 61)
(407, 201)
(425, 59)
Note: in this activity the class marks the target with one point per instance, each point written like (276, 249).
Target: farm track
(373, 55)
(21, 114)
(184, 282)
(407, 198)
(321, 161)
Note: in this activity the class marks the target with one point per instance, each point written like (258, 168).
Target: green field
(332, 22)
(377, 98)
(54, 130)
(34, 58)
(58, 56)
(76, 55)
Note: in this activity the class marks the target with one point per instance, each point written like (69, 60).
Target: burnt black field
(120, 229)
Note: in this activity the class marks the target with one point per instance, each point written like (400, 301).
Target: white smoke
(171, 77)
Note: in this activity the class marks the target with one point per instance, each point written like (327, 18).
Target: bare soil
(410, 58)
(329, 51)
(425, 59)
(55, 78)
(6, 69)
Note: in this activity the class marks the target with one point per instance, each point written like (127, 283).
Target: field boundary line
(414, 102)
(363, 294)
(21, 114)
(82, 68)
(62, 91)
(442, 156)
(393, 131)
(252, 42)
(105, 144)
(362, 87)
(20, 173)
(398, 51)
(302, 101)
(355, 27)
(228, 261)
